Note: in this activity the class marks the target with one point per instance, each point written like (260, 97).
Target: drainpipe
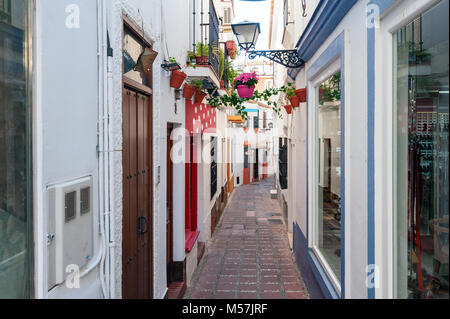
(112, 245)
(101, 139)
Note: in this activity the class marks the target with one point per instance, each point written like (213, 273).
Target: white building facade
(366, 220)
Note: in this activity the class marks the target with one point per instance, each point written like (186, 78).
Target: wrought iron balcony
(210, 45)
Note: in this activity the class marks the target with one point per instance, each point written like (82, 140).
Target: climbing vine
(234, 101)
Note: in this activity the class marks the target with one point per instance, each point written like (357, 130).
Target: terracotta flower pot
(222, 84)
(245, 92)
(231, 46)
(202, 59)
(301, 94)
(177, 79)
(188, 91)
(232, 54)
(199, 96)
(294, 101)
(288, 109)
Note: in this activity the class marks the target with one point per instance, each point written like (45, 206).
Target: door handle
(141, 222)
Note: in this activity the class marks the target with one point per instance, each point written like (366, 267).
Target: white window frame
(333, 67)
(400, 15)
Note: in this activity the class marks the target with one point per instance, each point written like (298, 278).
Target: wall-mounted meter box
(70, 228)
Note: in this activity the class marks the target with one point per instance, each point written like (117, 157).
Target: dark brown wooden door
(137, 276)
(169, 205)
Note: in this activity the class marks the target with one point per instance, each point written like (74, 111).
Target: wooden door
(137, 253)
(169, 207)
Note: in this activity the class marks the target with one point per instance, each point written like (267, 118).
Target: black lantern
(247, 34)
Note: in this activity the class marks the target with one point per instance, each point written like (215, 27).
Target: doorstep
(191, 239)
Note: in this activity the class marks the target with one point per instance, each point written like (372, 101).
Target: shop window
(15, 152)
(328, 163)
(421, 151)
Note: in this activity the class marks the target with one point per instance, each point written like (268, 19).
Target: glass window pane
(329, 172)
(421, 156)
(132, 49)
(14, 151)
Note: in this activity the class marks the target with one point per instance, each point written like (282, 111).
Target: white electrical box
(70, 228)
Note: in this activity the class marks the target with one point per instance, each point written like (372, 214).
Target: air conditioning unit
(70, 228)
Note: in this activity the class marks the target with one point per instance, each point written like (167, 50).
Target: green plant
(289, 90)
(197, 83)
(201, 49)
(173, 60)
(234, 101)
(221, 63)
(331, 89)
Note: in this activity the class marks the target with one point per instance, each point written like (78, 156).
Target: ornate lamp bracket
(288, 58)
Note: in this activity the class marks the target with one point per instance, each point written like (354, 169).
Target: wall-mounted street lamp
(247, 34)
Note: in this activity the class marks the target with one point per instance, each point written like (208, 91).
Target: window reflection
(422, 86)
(14, 151)
(329, 172)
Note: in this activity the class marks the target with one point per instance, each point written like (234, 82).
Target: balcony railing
(210, 42)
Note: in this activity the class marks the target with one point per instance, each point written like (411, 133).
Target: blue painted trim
(325, 19)
(383, 5)
(336, 50)
(321, 276)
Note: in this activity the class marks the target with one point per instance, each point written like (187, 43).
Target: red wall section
(200, 117)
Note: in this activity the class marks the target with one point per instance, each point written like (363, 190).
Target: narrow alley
(249, 255)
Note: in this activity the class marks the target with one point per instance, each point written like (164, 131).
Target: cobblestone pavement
(249, 256)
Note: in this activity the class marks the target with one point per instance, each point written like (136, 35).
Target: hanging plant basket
(288, 109)
(177, 79)
(301, 94)
(294, 101)
(199, 96)
(188, 91)
(232, 54)
(245, 92)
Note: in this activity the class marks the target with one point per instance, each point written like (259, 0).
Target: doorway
(137, 252)
(169, 207)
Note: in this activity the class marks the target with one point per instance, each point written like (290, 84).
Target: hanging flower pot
(232, 54)
(199, 96)
(288, 109)
(231, 45)
(301, 94)
(245, 84)
(188, 91)
(294, 101)
(245, 92)
(177, 79)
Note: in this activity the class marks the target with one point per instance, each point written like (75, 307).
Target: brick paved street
(249, 257)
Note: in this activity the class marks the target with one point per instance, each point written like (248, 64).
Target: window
(286, 13)
(421, 156)
(213, 166)
(328, 173)
(256, 122)
(15, 153)
(5, 11)
(133, 47)
(227, 16)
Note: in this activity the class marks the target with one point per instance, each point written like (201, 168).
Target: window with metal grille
(227, 16)
(256, 122)
(70, 206)
(85, 200)
(5, 11)
(213, 166)
(286, 12)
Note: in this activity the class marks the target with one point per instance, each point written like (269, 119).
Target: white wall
(65, 124)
